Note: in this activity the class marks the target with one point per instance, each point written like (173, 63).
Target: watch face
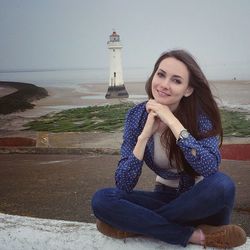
(184, 134)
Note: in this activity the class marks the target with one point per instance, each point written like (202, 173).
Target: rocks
(21, 99)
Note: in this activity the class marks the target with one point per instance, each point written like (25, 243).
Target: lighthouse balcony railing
(114, 44)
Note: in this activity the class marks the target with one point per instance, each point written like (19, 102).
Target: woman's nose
(166, 83)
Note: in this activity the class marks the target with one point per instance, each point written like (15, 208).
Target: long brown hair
(201, 101)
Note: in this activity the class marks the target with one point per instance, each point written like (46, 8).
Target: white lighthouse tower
(116, 87)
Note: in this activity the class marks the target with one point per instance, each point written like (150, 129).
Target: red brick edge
(17, 142)
(239, 152)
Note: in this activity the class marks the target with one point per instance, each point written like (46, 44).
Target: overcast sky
(67, 34)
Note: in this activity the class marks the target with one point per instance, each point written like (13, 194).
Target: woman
(177, 133)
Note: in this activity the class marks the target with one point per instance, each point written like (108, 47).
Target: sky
(73, 34)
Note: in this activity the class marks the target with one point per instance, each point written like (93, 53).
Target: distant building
(116, 87)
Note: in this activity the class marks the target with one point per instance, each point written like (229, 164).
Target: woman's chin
(172, 106)
(162, 101)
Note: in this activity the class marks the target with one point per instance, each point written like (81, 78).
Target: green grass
(110, 118)
(95, 118)
(235, 123)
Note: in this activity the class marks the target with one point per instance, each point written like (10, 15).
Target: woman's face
(170, 83)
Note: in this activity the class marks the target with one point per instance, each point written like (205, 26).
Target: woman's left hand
(163, 112)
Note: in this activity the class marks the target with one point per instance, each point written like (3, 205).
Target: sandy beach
(231, 94)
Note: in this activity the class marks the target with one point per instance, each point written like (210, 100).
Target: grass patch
(107, 118)
(110, 118)
(235, 123)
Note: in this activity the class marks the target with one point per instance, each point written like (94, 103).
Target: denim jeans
(166, 214)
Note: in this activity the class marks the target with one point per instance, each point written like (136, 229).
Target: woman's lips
(162, 93)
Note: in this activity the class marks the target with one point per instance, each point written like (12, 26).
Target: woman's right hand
(151, 126)
(149, 129)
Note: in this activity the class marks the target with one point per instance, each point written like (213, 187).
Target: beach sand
(231, 94)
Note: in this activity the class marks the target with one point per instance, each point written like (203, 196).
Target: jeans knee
(97, 200)
(224, 185)
(102, 199)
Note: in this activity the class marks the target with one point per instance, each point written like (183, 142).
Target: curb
(73, 151)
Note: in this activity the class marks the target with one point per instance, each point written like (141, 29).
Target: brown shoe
(227, 236)
(113, 232)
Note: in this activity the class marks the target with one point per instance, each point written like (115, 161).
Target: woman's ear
(189, 91)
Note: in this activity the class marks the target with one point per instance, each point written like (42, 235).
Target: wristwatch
(184, 134)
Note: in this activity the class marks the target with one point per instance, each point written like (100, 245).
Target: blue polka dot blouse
(205, 162)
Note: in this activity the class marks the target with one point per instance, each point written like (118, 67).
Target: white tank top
(161, 160)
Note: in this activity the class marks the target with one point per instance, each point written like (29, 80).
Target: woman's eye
(160, 74)
(177, 81)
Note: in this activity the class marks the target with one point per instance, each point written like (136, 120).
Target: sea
(69, 77)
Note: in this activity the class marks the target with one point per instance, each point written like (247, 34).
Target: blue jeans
(166, 214)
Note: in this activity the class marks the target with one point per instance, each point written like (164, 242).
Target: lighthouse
(116, 87)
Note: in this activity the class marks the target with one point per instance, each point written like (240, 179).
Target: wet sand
(232, 94)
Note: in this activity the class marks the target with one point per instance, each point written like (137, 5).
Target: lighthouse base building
(117, 92)
(116, 87)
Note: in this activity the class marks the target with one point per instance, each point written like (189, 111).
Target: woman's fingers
(152, 105)
(153, 113)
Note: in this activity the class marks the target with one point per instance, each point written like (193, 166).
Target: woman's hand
(162, 111)
(151, 125)
(166, 116)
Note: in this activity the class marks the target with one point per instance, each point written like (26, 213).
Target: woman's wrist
(176, 127)
(142, 138)
(140, 146)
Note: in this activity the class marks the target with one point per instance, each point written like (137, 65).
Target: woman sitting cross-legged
(177, 133)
